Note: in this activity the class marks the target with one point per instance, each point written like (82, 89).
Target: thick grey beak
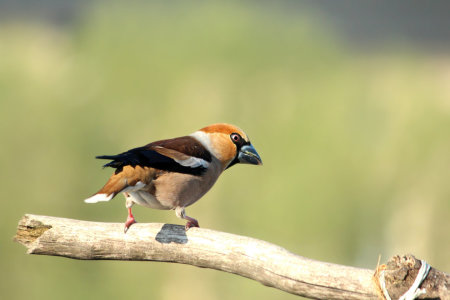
(248, 155)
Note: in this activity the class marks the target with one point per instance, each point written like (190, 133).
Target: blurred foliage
(355, 145)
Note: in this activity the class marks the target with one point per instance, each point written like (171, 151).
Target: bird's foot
(191, 223)
(130, 221)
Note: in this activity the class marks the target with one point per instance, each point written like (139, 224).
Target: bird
(172, 174)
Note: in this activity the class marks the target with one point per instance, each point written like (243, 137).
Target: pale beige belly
(173, 190)
(146, 199)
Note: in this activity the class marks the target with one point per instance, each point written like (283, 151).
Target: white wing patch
(99, 198)
(193, 162)
(183, 159)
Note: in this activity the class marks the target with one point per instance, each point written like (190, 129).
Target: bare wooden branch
(255, 259)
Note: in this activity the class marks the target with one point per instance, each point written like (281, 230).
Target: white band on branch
(414, 291)
(383, 286)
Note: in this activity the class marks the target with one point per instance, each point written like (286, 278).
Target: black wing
(147, 157)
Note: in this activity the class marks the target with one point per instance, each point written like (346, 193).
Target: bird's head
(229, 144)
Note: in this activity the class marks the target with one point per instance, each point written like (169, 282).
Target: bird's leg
(130, 219)
(191, 222)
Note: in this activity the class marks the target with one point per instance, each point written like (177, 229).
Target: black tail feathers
(115, 163)
(130, 157)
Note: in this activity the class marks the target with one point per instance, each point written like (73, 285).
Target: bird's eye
(235, 137)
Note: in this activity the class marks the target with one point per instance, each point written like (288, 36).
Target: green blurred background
(351, 118)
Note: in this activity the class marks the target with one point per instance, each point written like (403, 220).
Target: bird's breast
(177, 189)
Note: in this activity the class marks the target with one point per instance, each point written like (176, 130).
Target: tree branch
(255, 259)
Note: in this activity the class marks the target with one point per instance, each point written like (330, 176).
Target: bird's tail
(115, 184)
(99, 197)
(132, 157)
(115, 163)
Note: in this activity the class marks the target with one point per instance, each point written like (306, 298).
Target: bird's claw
(191, 223)
(130, 221)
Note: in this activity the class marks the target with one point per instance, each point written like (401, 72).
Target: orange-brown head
(229, 144)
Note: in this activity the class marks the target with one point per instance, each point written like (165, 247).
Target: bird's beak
(248, 155)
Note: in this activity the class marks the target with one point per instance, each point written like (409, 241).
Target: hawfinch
(174, 173)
